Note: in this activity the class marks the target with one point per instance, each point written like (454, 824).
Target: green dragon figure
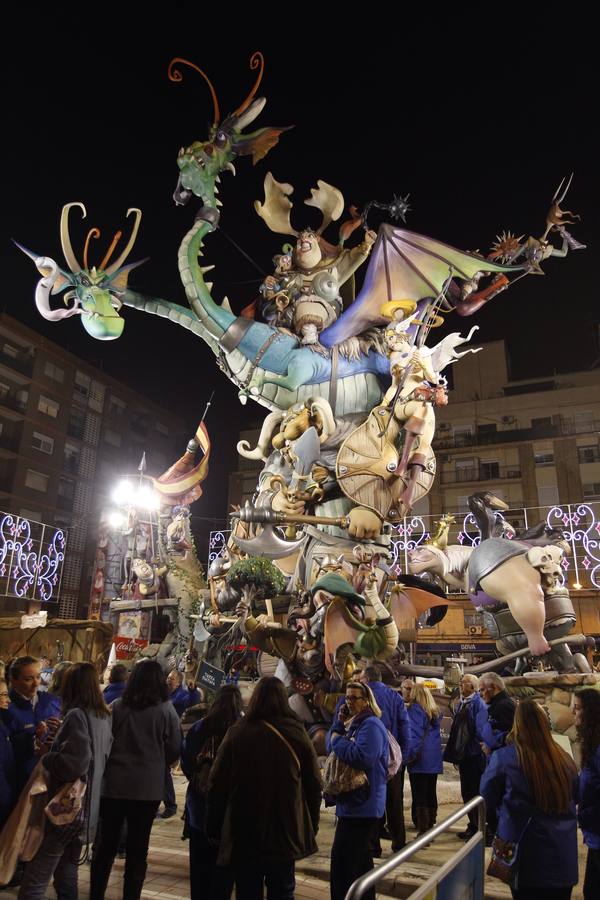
(97, 292)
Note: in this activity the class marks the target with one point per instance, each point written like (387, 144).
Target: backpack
(394, 756)
(460, 734)
(203, 765)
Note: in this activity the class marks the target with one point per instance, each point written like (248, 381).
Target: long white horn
(324, 408)
(42, 293)
(65, 239)
(262, 449)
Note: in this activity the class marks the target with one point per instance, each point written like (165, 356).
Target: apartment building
(67, 432)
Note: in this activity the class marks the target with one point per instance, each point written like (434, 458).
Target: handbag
(394, 756)
(503, 863)
(69, 809)
(203, 765)
(460, 735)
(341, 778)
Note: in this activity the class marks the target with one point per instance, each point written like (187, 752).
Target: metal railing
(481, 473)
(447, 441)
(359, 887)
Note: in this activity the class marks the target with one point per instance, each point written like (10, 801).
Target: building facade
(67, 432)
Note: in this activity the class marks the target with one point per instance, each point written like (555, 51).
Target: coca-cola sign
(125, 647)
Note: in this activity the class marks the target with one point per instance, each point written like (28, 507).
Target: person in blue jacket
(395, 718)
(472, 765)
(206, 878)
(117, 682)
(359, 738)
(529, 787)
(7, 759)
(29, 711)
(425, 762)
(495, 719)
(181, 697)
(586, 707)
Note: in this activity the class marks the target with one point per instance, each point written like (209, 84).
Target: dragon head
(201, 163)
(95, 290)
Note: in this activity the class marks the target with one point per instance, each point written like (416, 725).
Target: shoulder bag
(505, 858)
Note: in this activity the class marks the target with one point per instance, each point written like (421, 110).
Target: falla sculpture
(350, 380)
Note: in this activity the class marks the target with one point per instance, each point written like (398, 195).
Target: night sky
(478, 127)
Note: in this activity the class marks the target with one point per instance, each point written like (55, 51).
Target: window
(48, 406)
(466, 469)
(71, 458)
(4, 390)
(66, 487)
(116, 407)
(162, 429)
(112, 437)
(42, 442)
(21, 398)
(54, 372)
(37, 481)
(463, 436)
(588, 454)
(591, 491)
(138, 424)
(543, 422)
(543, 458)
(10, 350)
(488, 470)
(81, 387)
(76, 425)
(487, 433)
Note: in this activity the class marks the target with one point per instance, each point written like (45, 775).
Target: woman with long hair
(529, 788)
(80, 750)
(264, 795)
(425, 763)
(207, 880)
(146, 739)
(359, 738)
(586, 707)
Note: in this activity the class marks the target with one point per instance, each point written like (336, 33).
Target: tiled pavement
(168, 865)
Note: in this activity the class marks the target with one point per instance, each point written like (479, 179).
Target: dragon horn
(117, 265)
(65, 238)
(559, 199)
(175, 75)
(256, 60)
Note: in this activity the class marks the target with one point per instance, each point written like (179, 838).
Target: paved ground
(168, 866)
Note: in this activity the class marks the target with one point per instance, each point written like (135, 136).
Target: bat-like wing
(404, 266)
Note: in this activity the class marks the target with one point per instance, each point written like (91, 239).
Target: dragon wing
(405, 266)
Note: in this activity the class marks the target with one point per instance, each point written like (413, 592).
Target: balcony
(515, 435)
(9, 442)
(71, 465)
(481, 473)
(12, 402)
(76, 430)
(22, 363)
(588, 455)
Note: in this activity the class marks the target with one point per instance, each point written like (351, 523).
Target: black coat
(260, 805)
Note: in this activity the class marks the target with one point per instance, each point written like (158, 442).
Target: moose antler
(276, 209)
(329, 200)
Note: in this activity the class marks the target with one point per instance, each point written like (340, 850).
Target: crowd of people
(255, 783)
